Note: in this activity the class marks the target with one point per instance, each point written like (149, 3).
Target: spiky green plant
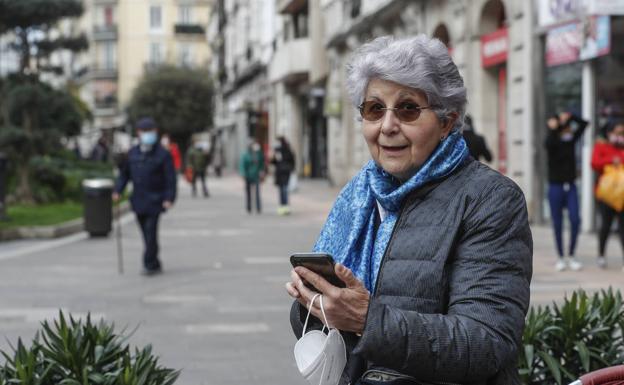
(71, 351)
(583, 334)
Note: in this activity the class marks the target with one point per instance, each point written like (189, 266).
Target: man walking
(197, 159)
(150, 169)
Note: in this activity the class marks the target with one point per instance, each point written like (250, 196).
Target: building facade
(241, 34)
(489, 40)
(517, 59)
(129, 38)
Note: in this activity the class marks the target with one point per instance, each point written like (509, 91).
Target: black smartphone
(320, 263)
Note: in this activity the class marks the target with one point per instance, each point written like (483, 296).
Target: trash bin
(3, 171)
(98, 206)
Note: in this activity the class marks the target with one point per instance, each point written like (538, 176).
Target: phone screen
(320, 263)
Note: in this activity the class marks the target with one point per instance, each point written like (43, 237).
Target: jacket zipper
(379, 276)
(383, 258)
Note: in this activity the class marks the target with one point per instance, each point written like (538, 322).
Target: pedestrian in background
(252, 168)
(560, 146)
(150, 169)
(197, 160)
(608, 152)
(284, 162)
(434, 248)
(477, 147)
(173, 149)
(99, 153)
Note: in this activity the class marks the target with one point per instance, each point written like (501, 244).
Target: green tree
(179, 99)
(35, 116)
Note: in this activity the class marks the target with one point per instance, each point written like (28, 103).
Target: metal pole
(118, 236)
(589, 114)
(3, 169)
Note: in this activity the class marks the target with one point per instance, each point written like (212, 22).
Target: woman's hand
(345, 308)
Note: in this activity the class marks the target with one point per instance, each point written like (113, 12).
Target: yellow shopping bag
(610, 188)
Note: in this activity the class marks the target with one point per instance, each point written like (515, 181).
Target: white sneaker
(575, 265)
(602, 262)
(561, 265)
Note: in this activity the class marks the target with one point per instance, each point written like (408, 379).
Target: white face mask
(321, 358)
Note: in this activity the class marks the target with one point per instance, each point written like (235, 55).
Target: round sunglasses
(406, 111)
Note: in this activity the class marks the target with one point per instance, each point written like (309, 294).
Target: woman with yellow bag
(607, 161)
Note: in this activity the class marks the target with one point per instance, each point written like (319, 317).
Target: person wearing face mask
(197, 159)
(560, 146)
(252, 167)
(608, 152)
(434, 248)
(150, 169)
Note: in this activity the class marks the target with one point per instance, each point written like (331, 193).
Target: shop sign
(551, 12)
(605, 7)
(578, 41)
(556, 11)
(494, 47)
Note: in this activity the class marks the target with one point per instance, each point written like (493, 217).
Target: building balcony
(105, 32)
(189, 29)
(291, 61)
(104, 72)
(107, 103)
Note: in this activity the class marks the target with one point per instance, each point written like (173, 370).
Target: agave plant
(75, 352)
(581, 335)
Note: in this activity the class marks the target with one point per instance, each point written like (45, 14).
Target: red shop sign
(494, 47)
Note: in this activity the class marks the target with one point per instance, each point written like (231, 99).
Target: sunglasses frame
(395, 109)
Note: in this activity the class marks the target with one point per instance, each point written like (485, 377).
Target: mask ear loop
(305, 325)
(324, 316)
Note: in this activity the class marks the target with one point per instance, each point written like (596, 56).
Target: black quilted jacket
(453, 289)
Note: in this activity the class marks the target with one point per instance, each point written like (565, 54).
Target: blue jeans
(149, 229)
(283, 191)
(249, 185)
(560, 196)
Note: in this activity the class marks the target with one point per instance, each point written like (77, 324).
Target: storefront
(584, 74)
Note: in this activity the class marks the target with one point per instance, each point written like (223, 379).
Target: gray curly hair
(418, 62)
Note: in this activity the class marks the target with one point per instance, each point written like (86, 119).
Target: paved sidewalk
(220, 311)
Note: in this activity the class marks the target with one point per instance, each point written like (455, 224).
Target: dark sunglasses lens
(408, 112)
(372, 111)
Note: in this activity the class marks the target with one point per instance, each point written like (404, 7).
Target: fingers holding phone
(345, 297)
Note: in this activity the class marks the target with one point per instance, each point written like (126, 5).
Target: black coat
(153, 179)
(284, 162)
(453, 287)
(477, 146)
(562, 153)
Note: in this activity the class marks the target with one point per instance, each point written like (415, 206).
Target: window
(155, 17)
(185, 15)
(156, 54)
(108, 56)
(185, 58)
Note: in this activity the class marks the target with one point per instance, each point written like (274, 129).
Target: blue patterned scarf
(349, 232)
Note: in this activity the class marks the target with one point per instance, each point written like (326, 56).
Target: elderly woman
(434, 247)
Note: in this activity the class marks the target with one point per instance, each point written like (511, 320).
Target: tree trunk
(23, 191)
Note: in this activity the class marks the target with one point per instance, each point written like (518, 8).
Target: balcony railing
(104, 72)
(189, 29)
(105, 32)
(106, 103)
